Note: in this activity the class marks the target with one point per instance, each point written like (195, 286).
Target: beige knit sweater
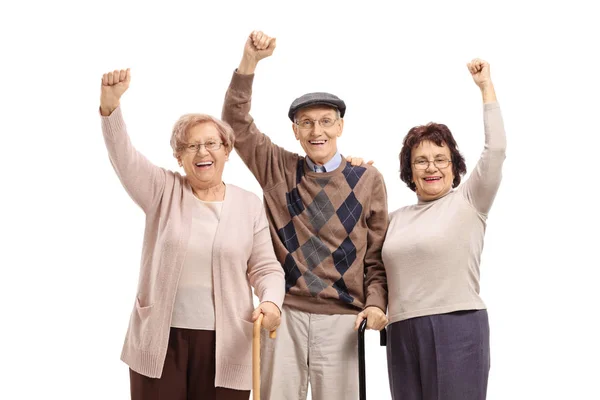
(433, 249)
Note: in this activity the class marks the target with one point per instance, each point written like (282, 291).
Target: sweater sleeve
(377, 223)
(483, 183)
(143, 181)
(265, 160)
(264, 271)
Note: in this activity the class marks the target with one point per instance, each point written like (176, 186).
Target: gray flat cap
(317, 98)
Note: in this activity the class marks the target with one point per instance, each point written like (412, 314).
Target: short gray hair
(188, 121)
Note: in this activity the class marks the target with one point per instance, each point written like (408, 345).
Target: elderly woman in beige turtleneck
(438, 337)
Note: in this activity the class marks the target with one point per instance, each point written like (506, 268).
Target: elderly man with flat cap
(328, 219)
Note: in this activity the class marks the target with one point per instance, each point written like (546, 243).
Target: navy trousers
(440, 357)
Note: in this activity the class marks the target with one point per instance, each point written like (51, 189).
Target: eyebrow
(330, 114)
(435, 157)
(207, 140)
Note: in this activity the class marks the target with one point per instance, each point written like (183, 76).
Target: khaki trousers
(310, 348)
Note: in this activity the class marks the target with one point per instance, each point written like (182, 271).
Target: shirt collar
(329, 166)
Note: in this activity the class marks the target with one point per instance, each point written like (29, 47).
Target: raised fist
(258, 46)
(114, 84)
(480, 71)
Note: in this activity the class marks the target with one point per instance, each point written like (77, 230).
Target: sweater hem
(436, 310)
(233, 376)
(319, 306)
(143, 362)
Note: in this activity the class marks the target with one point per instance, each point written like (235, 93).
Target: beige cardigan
(243, 256)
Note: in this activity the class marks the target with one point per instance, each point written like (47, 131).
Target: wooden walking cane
(256, 356)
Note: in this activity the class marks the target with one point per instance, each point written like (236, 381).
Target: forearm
(488, 93)
(376, 288)
(265, 160)
(143, 180)
(247, 66)
(375, 277)
(264, 271)
(483, 183)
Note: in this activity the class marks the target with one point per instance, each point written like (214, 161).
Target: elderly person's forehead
(207, 127)
(319, 109)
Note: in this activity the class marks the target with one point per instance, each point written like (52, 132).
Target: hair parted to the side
(441, 136)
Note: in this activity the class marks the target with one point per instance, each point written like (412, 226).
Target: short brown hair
(441, 136)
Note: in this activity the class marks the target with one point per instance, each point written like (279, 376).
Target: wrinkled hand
(114, 84)
(480, 71)
(258, 46)
(376, 319)
(356, 161)
(272, 315)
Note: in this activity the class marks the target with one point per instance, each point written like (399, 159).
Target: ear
(179, 161)
(295, 129)
(226, 156)
(341, 127)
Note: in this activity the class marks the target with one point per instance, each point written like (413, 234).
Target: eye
(326, 121)
(191, 146)
(420, 162)
(305, 123)
(210, 143)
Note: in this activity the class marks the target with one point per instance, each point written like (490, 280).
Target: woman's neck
(212, 193)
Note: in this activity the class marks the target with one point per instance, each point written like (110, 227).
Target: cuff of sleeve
(241, 82)
(491, 106)
(274, 298)
(375, 300)
(272, 302)
(112, 123)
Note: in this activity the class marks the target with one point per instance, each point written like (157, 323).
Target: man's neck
(329, 165)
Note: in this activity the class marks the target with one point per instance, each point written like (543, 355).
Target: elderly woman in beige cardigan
(206, 243)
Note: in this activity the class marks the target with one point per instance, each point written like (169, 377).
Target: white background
(71, 237)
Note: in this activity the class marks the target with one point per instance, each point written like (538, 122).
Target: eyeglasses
(307, 124)
(440, 163)
(195, 147)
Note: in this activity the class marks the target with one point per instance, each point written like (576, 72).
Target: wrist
(107, 108)
(488, 93)
(274, 305)
(247, 66)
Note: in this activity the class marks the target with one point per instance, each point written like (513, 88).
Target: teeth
(317, 142)
(201, 164)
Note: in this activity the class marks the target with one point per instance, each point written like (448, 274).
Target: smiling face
(203, 168)
(433, 182)
(320, 144)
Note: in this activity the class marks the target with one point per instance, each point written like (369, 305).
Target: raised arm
(483, 183)
(264, 159)
(143, 180)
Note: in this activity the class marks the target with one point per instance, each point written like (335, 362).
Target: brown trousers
(188, 373)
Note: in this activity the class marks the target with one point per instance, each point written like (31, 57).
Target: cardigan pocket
(143, 311)
(142, 324)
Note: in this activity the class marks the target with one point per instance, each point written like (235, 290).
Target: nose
(431, 166)
(317, 129)
(202, 151)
